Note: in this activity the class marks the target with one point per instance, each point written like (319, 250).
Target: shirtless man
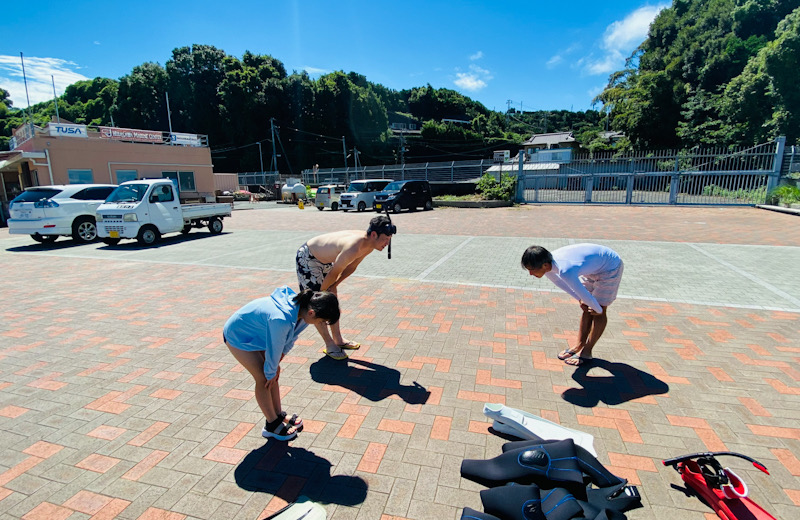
(589, 273)
(327, 260)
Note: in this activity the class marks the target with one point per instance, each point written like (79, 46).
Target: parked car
(47, 212)
(400, 195)
(148, 208)
(328, 196)
(361, 194)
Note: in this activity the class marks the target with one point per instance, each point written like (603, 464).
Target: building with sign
(66, 153)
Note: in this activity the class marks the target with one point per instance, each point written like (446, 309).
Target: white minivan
(328, 196)
(361, 194)
(48, 212)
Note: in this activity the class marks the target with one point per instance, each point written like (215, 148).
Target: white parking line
(747, 275)
(443, 259)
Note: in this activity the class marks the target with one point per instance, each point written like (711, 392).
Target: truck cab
(145, 209)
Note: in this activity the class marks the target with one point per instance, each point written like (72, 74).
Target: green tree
(141, 98)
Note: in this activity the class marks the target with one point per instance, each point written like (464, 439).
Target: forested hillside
(714, 72)
(233, 99)
(711, 72)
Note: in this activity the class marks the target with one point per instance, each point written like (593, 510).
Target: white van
(328, 196)
(361, 194)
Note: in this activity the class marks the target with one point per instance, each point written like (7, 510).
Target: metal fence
(714, 176)
(741, 176)
(450, 171)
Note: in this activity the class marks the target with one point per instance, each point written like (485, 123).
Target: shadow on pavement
(288, 472)
(124, 245)
(624, 384)
(374, 382)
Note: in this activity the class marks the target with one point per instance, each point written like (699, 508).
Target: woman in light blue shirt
(262, 332)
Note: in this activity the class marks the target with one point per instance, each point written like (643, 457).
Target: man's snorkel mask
(387, 228)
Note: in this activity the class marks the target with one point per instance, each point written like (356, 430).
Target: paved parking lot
(119, 400)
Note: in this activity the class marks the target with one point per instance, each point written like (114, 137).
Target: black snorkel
(393, 230)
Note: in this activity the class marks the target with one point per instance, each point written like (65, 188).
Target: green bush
(490, 189)
(755, 195)
(785, 194)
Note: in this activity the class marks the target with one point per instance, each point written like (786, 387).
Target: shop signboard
(185, 139)
(67, 130)
(131, 134)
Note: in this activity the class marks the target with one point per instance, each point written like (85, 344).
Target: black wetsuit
(541, 462)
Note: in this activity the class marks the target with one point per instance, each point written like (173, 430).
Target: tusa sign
(67, 130)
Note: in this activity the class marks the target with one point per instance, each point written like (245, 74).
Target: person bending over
(262, 332)
(591, 274)
(327, 260)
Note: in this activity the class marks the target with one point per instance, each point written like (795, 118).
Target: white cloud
(559, 58)
(315, 70)
(37, 72)
(621, 38)
(476, 79)
(555, 60)
(478, 55)
(96, 42)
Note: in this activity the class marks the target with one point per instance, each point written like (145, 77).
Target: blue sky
(538, 55)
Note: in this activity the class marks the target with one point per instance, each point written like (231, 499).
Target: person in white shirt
(591, 274)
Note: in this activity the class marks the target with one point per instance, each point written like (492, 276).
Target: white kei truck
(145, 209)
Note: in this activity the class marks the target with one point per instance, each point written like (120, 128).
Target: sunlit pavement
(119, 399)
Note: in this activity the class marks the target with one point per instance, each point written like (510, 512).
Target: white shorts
(604, 286)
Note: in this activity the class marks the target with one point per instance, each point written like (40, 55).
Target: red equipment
(719, 487)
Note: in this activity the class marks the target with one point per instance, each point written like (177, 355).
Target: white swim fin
(303, 508)
(528, 426)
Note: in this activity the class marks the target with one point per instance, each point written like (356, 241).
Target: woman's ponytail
(303, 298)
(324, 304)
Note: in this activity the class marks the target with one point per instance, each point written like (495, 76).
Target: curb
(472, 204)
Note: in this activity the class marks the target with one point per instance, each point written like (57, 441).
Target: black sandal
(281, 432)
(294, 420)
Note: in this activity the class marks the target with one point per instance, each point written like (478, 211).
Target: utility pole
(344, 154)
(169, 115)
(402, 147)
(55, 97)
(274, 165)
(25, 79)
(355, 159)
(261, 156)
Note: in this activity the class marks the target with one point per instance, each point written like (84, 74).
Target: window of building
(185, 179)
(126, 175)
(80, 176)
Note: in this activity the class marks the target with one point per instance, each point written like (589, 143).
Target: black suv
(399, 195)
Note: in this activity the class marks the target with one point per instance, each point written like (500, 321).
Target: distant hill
(714, 72)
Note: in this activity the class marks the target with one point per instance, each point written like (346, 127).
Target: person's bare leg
(330, 344)
(583, 330)
(598, 326)
(254, 363)
(269, 404)
(584, 326)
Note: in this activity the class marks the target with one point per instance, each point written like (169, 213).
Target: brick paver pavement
(120, 401)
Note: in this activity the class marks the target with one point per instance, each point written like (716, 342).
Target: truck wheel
(428, 205)
(44, 239)
(334, 206)
(148, 236)
(215, 226)
(111, 241)
(397, 208)
(362, 206)
(84, 230)
(319, 208)
(186, 229)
